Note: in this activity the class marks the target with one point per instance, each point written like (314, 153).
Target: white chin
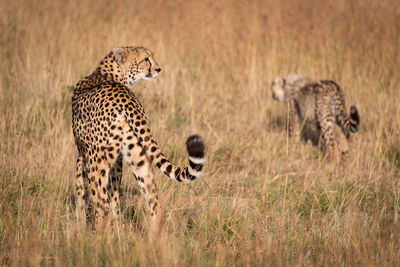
(149, 78)
(280, 96)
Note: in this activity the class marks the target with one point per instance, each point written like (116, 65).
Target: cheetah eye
(147, 59)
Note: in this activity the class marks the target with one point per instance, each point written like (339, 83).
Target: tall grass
(263, 201)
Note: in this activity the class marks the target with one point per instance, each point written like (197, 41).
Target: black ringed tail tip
(195, 146)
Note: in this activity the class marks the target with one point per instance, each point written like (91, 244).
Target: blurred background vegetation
(263, 200)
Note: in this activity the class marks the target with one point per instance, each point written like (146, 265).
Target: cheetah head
(278, 89)
(131, 64)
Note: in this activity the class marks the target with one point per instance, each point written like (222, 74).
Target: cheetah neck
(91, 81)
(98, 76)
(109, 69)
(105, 72)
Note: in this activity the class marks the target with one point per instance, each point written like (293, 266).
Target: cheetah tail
(195, 148)
(354, 119)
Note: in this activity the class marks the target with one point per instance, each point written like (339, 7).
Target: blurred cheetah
(316, 103)
(110, 126)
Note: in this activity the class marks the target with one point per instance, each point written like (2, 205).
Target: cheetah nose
(158, 70)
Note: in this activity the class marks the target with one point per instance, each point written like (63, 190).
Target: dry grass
(269, 202)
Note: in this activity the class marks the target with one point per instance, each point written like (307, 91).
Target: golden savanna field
(264, 200)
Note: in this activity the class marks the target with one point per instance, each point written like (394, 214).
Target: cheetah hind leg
(328, 140)
(344, 145)
(100, 187)
(141, 166)
(115, 177)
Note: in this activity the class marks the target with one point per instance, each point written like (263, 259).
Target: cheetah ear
(283, 81)
(120, 54)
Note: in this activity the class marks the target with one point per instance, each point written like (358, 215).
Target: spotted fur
(110, 127)
(319, 103)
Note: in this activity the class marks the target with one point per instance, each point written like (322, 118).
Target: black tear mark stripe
(149, 74)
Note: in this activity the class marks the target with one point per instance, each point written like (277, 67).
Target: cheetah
(110, 127)
(317, 105)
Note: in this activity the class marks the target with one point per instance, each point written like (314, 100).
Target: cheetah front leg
(81, 179)
(134, 154)
(293, 123)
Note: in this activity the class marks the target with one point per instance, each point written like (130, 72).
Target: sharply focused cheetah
(109, 126)
(315, 104)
